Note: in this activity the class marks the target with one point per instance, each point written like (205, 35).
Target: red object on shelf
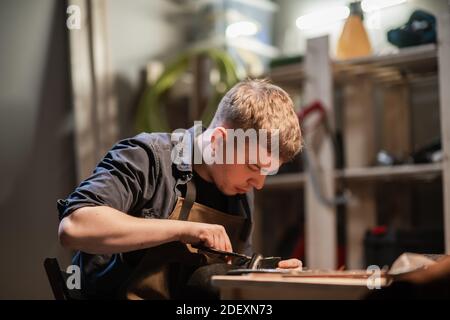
(379, 230)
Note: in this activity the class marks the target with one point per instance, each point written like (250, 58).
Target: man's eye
(267, 172)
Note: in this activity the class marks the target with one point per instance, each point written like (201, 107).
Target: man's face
(232, 179)
(239, 176)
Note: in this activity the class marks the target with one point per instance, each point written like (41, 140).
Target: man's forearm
(104, 230)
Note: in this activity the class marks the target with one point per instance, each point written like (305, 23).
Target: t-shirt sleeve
(123, 179)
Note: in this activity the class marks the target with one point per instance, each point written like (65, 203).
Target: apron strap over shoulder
(248, 223)
(189, 199)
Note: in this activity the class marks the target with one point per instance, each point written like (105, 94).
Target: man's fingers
(227, 242)
(229, 247)
(220, 242)
(223, 239)
(223, 242)
(290, 264)
(214, 236)
(209, 241)
(215, 242)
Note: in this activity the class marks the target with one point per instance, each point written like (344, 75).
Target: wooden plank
(360, 216)
(270, 287)
(359, 148)
(444, 94)
(396, 120)
(358, 123)
(403, 58)
(321, 229)
(289, 75)
(396, 139)
(392, 172)
(419, 58)
(406, 172)
(95, 109)
(83, 94)
(106, 127)
(287, 180)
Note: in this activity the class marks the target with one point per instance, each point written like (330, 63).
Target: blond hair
(258, 104)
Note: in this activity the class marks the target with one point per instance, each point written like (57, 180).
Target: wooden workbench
(277, 287)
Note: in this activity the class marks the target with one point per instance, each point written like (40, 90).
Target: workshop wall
(36, 125)
(140, 31)
(36, 161)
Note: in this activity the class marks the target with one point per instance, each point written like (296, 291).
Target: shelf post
(444, 95)
(321, 229)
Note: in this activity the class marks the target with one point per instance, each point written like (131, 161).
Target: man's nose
(258, 182)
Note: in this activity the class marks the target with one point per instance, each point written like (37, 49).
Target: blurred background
(366, 78)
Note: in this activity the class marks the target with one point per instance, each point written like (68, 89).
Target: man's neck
(203, 172)
(201, 169)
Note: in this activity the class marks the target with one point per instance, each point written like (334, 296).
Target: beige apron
(153, 277)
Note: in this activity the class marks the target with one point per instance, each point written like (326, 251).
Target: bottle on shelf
(354, 41)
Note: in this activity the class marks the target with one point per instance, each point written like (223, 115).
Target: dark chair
(57, 279)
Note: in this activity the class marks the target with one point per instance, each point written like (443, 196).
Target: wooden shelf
(410, 171)
(413, 60)
(285, 180)
(391, 67)
(288, 75)
(408, 57)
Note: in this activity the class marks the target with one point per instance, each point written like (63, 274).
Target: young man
(151, 197)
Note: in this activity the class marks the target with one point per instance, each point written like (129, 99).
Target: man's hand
(209, 235)
(290, 264)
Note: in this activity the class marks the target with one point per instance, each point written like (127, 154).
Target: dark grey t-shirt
(137, 177)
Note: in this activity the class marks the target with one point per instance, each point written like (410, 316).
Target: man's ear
(218, 137)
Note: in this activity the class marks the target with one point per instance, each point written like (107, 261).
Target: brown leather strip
(191, 193)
